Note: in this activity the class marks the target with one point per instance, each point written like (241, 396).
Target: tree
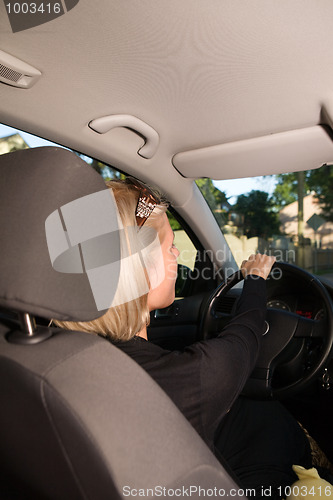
(258, 215)
(106, 171)
(321, 181)
(285, 191)
(215, 198)
(11, 143)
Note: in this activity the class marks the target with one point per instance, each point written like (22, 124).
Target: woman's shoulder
(140, 346)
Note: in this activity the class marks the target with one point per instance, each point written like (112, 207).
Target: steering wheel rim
(259, 383)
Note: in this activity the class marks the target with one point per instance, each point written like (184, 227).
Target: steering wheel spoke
(216, 322)
(310, 328)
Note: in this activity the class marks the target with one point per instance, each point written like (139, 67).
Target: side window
(195, 270)
(187, 250)
(12, 139)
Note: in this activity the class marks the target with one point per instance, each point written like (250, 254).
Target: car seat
(79, 418)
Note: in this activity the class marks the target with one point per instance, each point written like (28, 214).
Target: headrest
(53, 209)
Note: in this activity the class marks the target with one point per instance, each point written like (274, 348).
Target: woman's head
(148, 263)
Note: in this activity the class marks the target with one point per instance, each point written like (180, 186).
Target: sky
(31, 140)
(235, 187)
(232, 188)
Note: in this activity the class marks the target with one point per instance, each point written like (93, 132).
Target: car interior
(169, 93)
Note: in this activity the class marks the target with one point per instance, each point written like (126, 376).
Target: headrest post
(29, 333)
(28, 323)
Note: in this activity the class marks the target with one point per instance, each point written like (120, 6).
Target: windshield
(287, 215)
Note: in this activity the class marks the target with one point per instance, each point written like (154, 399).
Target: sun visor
(291, 151)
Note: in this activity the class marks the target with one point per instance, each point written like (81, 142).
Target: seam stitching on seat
(62, 447)
(45, 383)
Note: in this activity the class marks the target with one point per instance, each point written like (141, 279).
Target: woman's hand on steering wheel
(258, 264)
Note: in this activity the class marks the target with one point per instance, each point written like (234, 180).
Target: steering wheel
(284, 331)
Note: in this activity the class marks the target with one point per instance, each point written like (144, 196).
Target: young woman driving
(260, 441)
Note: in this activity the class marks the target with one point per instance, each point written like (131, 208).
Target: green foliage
(285, 191)
(321, 181)
(257, 213)
(215, 198)
(12, 143)
(173, 222)
(108, 173)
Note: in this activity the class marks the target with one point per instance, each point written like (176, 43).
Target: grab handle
(151, 137)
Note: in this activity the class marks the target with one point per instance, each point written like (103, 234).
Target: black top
(206, 377)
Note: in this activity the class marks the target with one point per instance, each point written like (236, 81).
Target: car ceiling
(232, 88)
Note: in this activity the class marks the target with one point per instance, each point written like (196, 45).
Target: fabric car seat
(79, 419)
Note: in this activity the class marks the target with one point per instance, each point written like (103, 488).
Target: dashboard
(304, 306)
(295, 296)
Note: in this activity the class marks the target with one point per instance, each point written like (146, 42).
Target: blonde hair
(122, 322)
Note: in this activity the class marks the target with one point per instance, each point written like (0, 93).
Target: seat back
(79, 419)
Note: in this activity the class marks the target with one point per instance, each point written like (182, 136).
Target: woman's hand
(258, 264)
